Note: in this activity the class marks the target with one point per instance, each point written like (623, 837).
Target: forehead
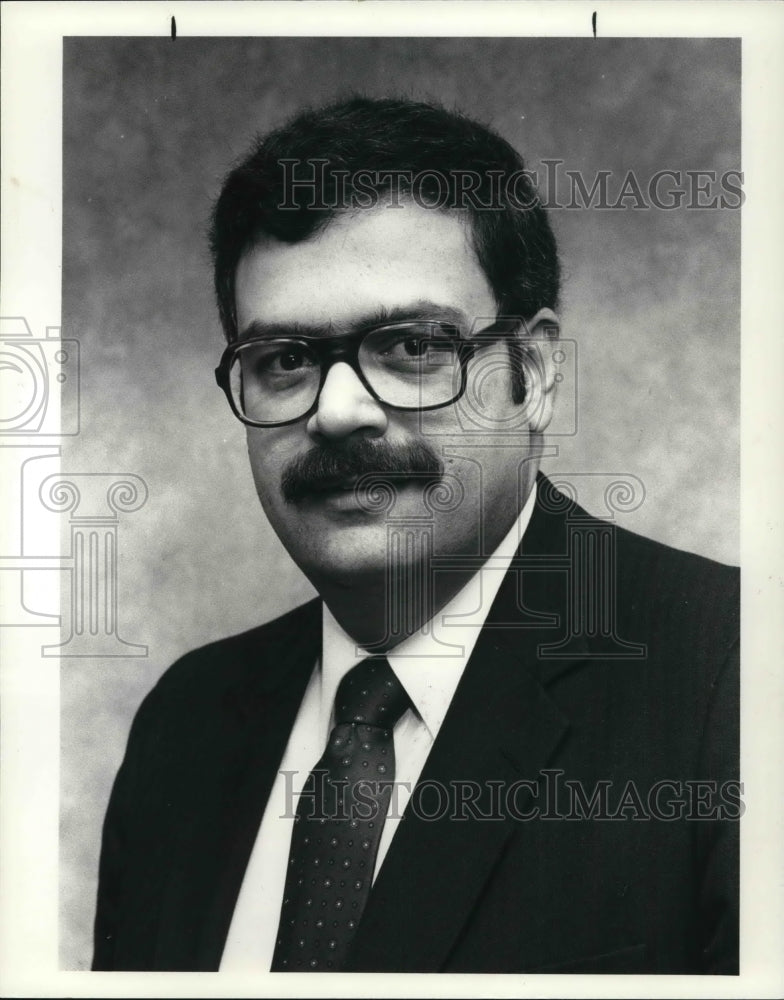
(381, 258)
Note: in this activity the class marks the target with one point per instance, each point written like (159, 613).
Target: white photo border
(29, 686)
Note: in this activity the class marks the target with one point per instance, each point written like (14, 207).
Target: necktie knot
(371, 694)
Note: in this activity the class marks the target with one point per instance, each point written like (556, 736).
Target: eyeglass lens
(412, 366)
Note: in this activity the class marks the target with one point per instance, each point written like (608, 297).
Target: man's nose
(346, 407)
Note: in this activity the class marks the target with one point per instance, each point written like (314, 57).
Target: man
(504, 739)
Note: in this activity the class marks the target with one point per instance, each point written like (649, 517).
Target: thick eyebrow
(423, 309)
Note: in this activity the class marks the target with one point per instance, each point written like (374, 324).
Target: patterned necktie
(338, 824)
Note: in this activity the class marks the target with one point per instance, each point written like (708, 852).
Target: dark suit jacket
(556, 691)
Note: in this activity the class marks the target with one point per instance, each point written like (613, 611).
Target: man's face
(407, 262)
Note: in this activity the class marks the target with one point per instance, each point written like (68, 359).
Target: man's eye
(290, 361)
(284, 361)
(406, 349)
(415, 347)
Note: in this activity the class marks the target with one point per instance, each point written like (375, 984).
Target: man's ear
(535, 343)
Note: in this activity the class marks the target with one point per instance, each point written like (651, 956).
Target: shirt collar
(430, 662)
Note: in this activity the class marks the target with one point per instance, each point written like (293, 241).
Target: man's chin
(351, 548)
(350, 566)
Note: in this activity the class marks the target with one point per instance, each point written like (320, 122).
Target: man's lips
(335, 485)
(361, 486)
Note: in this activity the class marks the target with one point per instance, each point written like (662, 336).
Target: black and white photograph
(388, 574)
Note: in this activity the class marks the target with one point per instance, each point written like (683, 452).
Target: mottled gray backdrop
(652, 298)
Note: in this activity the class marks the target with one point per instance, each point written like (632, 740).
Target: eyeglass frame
(330, 350)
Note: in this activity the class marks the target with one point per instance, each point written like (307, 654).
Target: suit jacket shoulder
(250, 658)
(692, 586)
(188, 798)
(606, 583)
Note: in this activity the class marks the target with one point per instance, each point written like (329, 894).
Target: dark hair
(403, 139)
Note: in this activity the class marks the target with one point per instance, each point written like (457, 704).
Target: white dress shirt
(429, 665)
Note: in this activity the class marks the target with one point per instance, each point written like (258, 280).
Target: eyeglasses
(272, 381)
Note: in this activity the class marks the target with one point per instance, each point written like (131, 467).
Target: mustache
(327, 468)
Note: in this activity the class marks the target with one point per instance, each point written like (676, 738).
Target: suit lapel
(257, 714)
(502, 727)
(441, 864)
